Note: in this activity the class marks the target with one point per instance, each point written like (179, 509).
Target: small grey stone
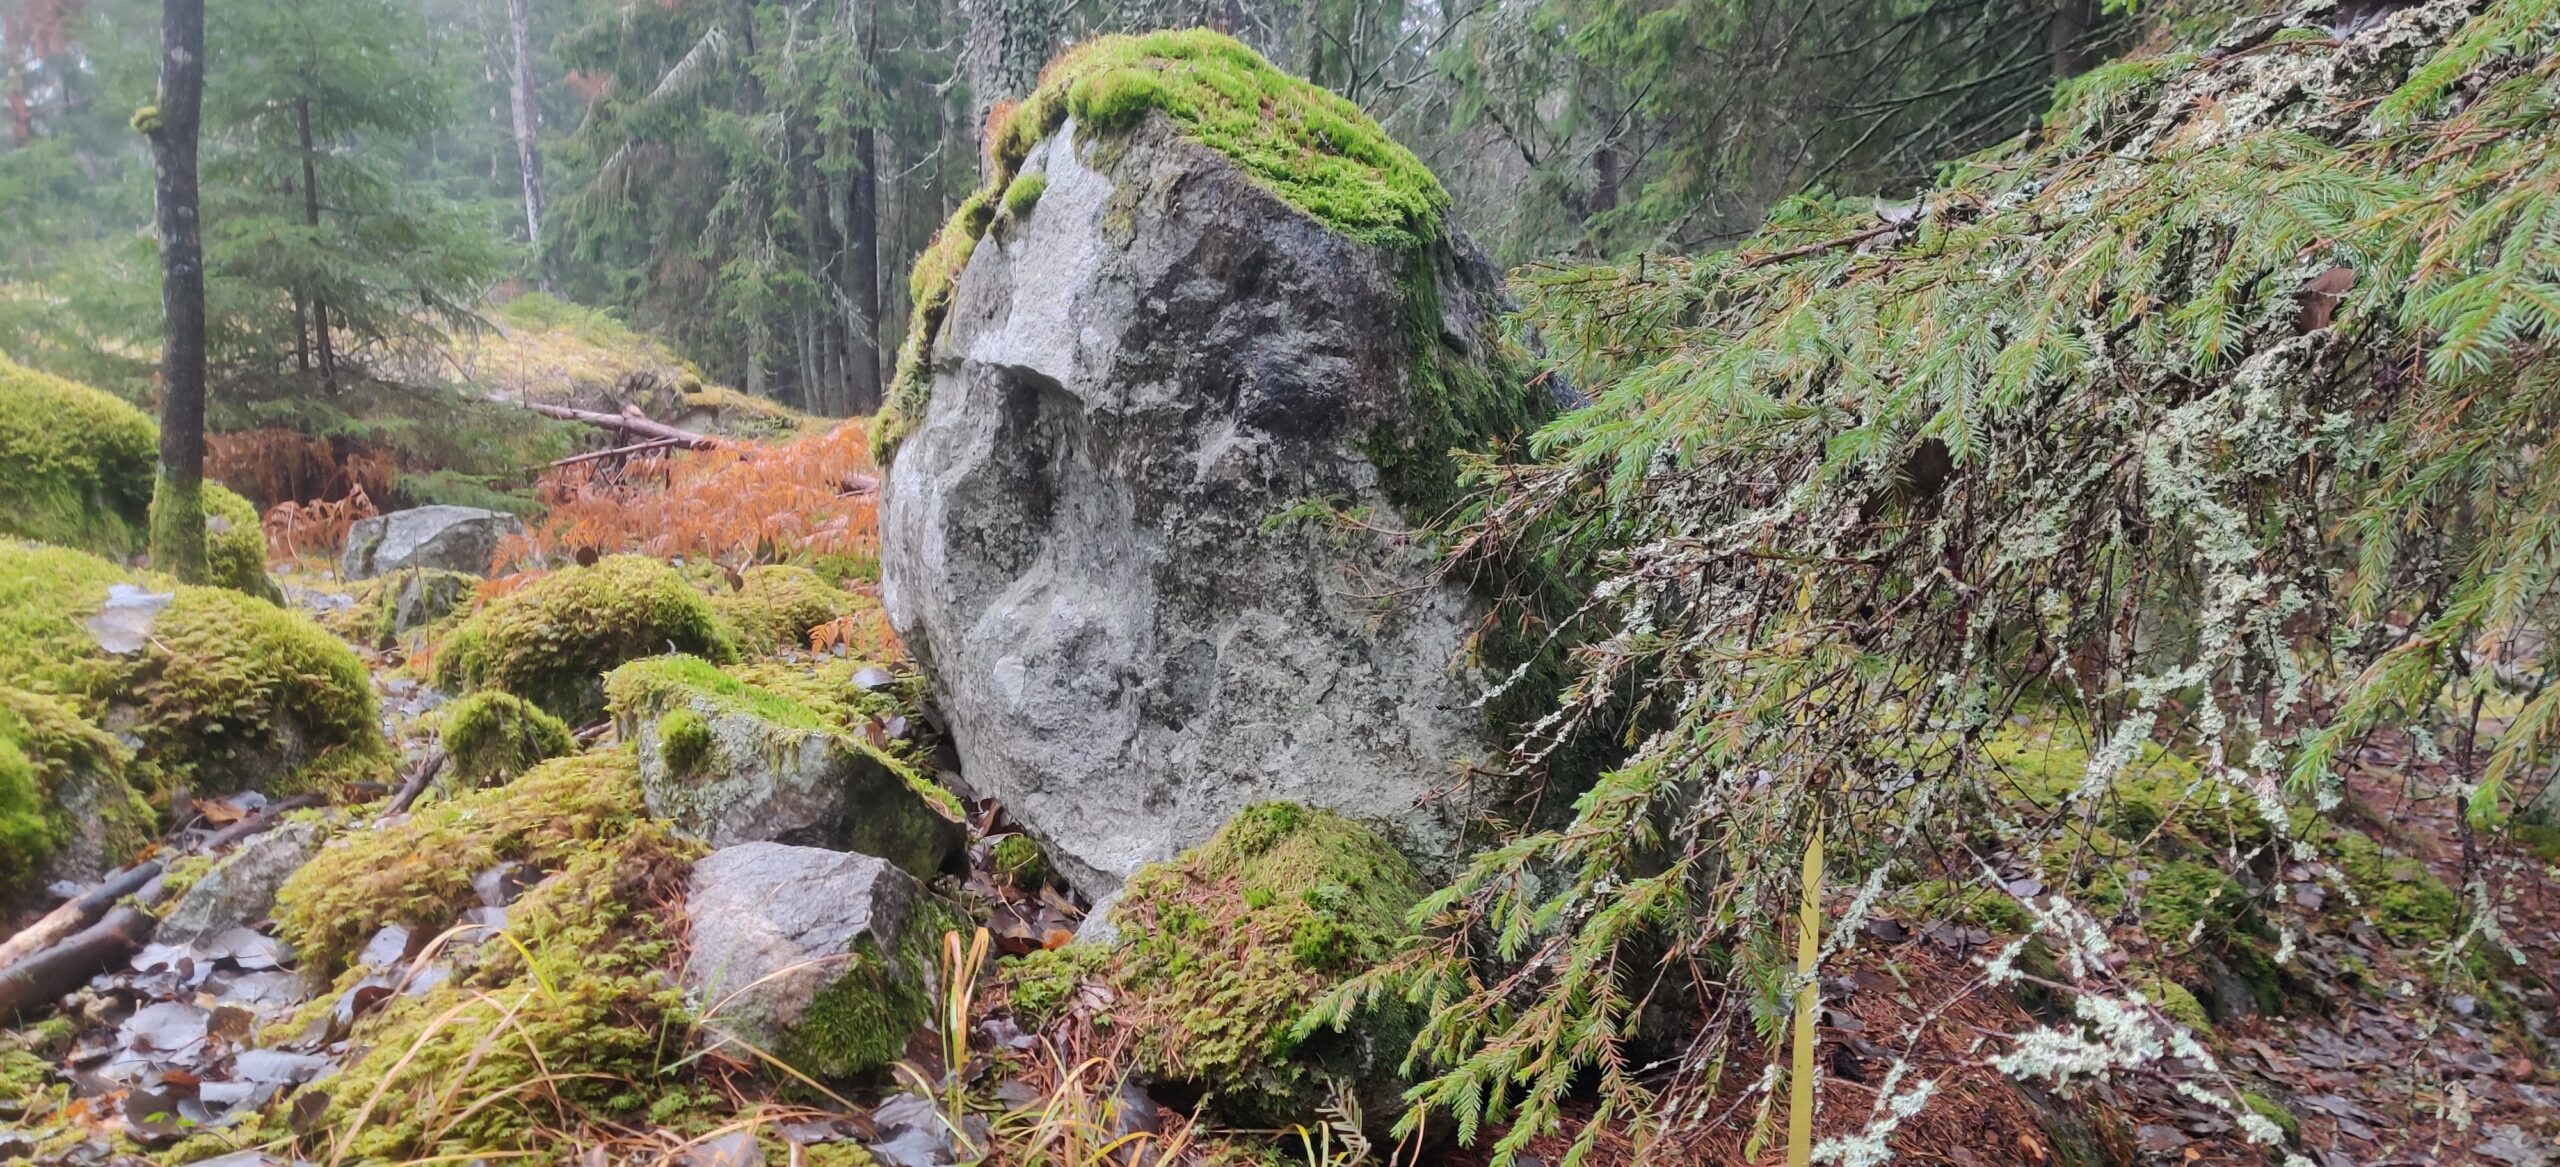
(774, 927)
(240, 889)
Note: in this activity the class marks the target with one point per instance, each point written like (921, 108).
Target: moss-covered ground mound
(552, 641)
(568, 1022)
(1223, 949)
(490, 737)
(224, 692)
(775, 606)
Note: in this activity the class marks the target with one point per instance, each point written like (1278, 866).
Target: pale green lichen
(552, 641)
(490, 737)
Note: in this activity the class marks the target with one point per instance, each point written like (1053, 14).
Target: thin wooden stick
(641, 448)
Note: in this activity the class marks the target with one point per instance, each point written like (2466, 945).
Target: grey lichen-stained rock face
(820, 957)
(240, 888)
(449, 538)
(1082, 537)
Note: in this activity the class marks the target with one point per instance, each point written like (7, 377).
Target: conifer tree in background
(324, 249)
(177, 499)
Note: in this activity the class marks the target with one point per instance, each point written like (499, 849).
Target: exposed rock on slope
(1212, 293)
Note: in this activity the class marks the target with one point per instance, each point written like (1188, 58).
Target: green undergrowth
(568, 1023)
(417, 872)
(552, 641)
(1223, 949)
(775, 606)
(445, 445)
(490, 737)
(225, 693)
(1315, 151)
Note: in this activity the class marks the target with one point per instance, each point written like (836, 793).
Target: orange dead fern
(737, 503)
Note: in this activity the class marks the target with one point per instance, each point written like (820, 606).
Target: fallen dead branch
(627, 422)
(30, 985)
(77, 913)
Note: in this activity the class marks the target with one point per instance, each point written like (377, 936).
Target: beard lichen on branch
(2128, 418)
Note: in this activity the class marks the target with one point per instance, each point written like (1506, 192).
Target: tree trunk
(528, 158)
(177, 500)
(862, 274)
(2072, 20)
(311, 218)
(859, 261)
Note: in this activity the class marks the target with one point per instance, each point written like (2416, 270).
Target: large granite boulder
(447, 538)
(1150, 357)
(822, 958)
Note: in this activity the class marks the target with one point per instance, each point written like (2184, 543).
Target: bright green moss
(1017, 858)
(2540, 840)
(552, 641)
(861, 1023)
(26, 832)
(2405, 901)
(227, 692)
(1039, 984)
(2267, 1108)
(235, 545)
(490, 737)
(417, 872)
(75, 464)
(76, 470)
(775, 606)
(2185, 903)
(579, 1001)
(686, 738)
(1024, 193)
(793, 696)
(2160, 799)
(1223, 948)
(2175, 1000)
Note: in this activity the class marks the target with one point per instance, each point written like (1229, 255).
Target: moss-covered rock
(235, 545)
(731, 762)
(75, 464)
(224, 692)
(552, 641)
(490, 737)
(1315, 150)
(68, 808)
(775, 606)
(417, 872)
(2404, 900)
(76, 470)
(389, 606)
(823, 958)
(1223, 948)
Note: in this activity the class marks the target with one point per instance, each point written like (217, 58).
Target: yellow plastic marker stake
(1808, 946)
